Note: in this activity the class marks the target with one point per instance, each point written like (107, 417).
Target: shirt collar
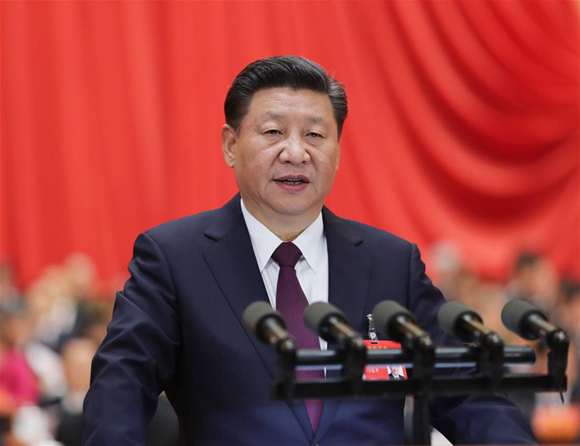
(265, 242)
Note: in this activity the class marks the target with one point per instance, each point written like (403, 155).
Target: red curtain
(463, 125)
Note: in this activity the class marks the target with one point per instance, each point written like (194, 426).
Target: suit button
(315, 444)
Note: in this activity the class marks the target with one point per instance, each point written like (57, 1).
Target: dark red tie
(291, 302)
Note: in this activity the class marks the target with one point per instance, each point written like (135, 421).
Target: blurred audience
(17, 379)
(535, 279)
(8, 288)
(49, 334)
(77, 355)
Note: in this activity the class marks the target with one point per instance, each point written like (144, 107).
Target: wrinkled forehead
(283, 103)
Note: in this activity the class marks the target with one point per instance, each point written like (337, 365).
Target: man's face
(285, 154)
(395, 371)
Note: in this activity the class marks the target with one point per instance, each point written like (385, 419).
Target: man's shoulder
(369, 235)
(183, 226)
(197, 228)
(377, 234)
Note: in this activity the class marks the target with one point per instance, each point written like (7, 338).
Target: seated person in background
(18, 382)
(76, 357)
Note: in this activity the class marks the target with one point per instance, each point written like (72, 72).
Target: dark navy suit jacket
(177, 327)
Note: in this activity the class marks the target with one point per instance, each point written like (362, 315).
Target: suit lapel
(349, 274)
(233, 263)
(349, 270)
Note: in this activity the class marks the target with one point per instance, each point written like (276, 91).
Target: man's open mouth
(293, 181)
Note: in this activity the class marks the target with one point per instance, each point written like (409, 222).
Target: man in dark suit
(395, 373)
(177, 323)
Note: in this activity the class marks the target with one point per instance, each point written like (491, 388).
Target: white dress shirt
(311, 269)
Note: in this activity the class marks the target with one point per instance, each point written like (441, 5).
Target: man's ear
(229, 140)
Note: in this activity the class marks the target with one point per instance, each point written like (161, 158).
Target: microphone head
(385, 314)
(257, 312)
(450, 315)
(514, 316)
(317, 314)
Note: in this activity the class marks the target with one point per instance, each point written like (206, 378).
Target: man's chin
(297, 209)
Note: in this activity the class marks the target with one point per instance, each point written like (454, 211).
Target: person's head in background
(15, 327)
(569, 306)
(82, 272)
(8, 287)
(535, 278)
(77, 355)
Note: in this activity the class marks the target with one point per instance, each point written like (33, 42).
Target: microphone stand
(559, 344)
(287, 364)
(354, 364)
(424, 359)
(423, 368)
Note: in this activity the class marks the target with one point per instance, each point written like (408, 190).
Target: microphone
(330, 324)
(268, 326)
(465, 324)
(398, 323)
(530, 322)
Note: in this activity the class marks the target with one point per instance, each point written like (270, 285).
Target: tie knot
(287, 254)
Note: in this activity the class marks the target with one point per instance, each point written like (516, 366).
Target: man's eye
(272, 132)
(314, 135)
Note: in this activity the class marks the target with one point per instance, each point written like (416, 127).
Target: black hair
(526, 260)
(283, 71)
(570, 289)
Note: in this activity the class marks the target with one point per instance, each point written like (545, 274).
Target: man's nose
(294, 151)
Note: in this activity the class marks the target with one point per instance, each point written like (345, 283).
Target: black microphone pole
(399, 324)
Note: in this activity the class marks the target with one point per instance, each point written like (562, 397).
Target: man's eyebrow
(271, 115)
(315, 119)
(278, 117)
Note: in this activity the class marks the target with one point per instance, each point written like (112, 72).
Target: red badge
(391, 372)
